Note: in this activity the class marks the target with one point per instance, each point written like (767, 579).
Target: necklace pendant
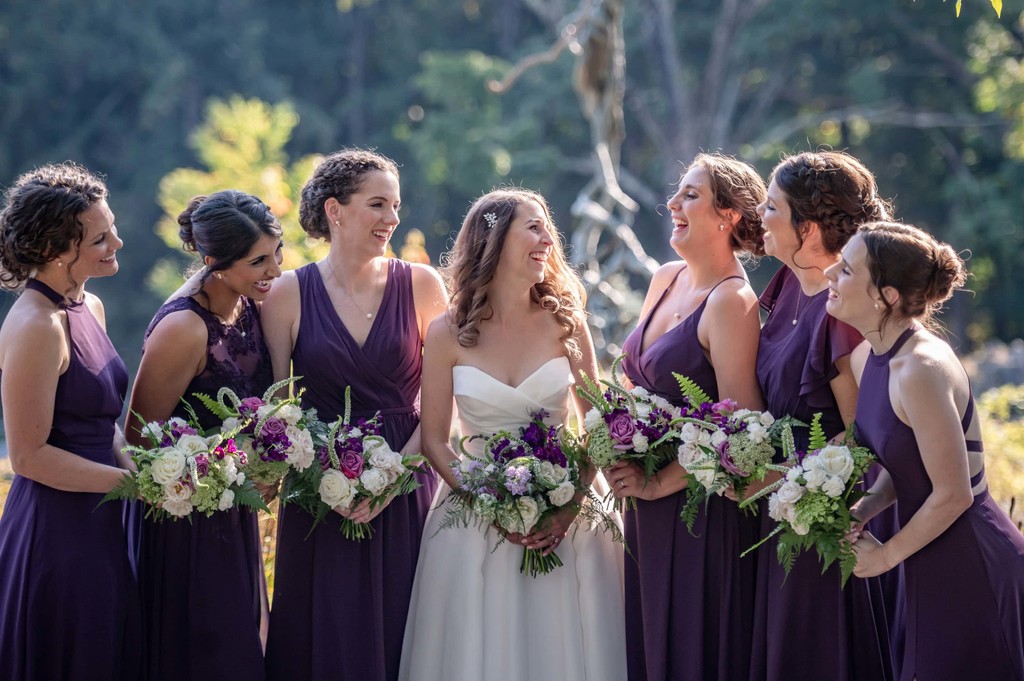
(676, 315)
(369, 315)
(243, 334)
(794, 321)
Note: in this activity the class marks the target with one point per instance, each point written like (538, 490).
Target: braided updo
(735, 185)
(832, 189)
(338, 176)
(40, 221)
(924, 271)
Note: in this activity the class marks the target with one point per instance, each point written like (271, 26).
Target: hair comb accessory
(491, 219)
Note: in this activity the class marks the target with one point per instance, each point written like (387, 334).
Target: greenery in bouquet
(275, 433)
(812, 503)
(628, 424)
(184, 471)
(353, 463)
(518, 481)
(722, 447)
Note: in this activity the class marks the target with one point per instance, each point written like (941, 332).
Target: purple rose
(726, 460)
(202, 465)
(351, 464)
(621, 427)
(251, 404)
(273, 429)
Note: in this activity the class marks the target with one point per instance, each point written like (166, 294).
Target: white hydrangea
(291, 413)
(640, 442)
(300, 453)
(592, 420)
(834, 486)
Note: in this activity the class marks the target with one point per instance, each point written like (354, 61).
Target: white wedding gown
(473, 616)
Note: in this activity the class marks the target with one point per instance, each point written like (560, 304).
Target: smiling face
(96, 255)
(780, 237)
(528, 242)
(694, 218)
(365, 224)
(852, 297)
(253, 274)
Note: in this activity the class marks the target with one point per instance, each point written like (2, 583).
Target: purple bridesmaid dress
(965, 589)
(805, 625)
(689, 599)
(68, 604)
(204, 595)
(340, 606)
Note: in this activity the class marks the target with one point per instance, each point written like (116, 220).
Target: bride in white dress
(512, 341)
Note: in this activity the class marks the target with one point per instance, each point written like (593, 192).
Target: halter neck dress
(68, 601)
(965, 589)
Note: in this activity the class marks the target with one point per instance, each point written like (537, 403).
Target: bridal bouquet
(519, 481)
(812, 503)
(628, 425)
(275, 433)
(184, 471)
(354, 463)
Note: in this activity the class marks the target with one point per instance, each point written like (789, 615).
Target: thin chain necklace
(369, 315)
(796, 313)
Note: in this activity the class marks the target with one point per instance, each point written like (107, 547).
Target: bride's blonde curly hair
(469, 269)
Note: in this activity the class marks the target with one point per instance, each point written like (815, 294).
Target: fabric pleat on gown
(965, 589)
(805, 624)
(204, 594)
(340, 606)
(689, 597)
(473, 615)
(68, 602)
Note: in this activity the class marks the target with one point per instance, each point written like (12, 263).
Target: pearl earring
(220, 275)
(721, 228)
(60, 263)
(876, 306)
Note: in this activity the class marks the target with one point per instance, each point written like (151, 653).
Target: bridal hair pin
(491, 219)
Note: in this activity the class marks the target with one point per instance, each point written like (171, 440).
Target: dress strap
(900, 342)
(661, 298)
(965, 423)
(57, 299)
(731, 276)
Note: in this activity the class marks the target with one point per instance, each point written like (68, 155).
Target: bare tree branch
(525, 64)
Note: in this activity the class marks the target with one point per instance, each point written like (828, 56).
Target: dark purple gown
(965, 589)
(805, 625)
(204, 595)
(68, 605)
(340, 606)
(689, 599)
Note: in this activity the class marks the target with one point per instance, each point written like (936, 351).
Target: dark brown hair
(40, 221)
(338, 176)
(832, 189)
(735, 185)
(922, 269)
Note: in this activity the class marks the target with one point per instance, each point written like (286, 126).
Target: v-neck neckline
(340, 323)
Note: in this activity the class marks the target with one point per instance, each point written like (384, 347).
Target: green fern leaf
(691, 391)
(818, 438)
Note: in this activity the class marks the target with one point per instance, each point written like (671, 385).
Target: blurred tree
(241, 143)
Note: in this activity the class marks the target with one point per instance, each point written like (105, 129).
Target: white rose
(815, 478)
(640, 393)
(190, 445)
(336, 490)
(300, 453)
(640, 442)
(374, 481)
(592, 420)
(169, 467)
(562, 495)
(227, 498)
(291, 413)
(790, 492)
(690, 433)
(766, 419)
(834, 486)
(756, 432)
(153, 431)
(800, 528)
(836, 461)
(529, 512)
(177, 499)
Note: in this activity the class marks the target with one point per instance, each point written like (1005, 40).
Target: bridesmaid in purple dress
(963, 558)
(197, 626)
(690, 599)
(68, 607)
(355, 319)
(806, 625)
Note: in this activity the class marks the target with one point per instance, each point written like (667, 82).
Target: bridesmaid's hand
(627, 480)
(871, 560)
(362, 513)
